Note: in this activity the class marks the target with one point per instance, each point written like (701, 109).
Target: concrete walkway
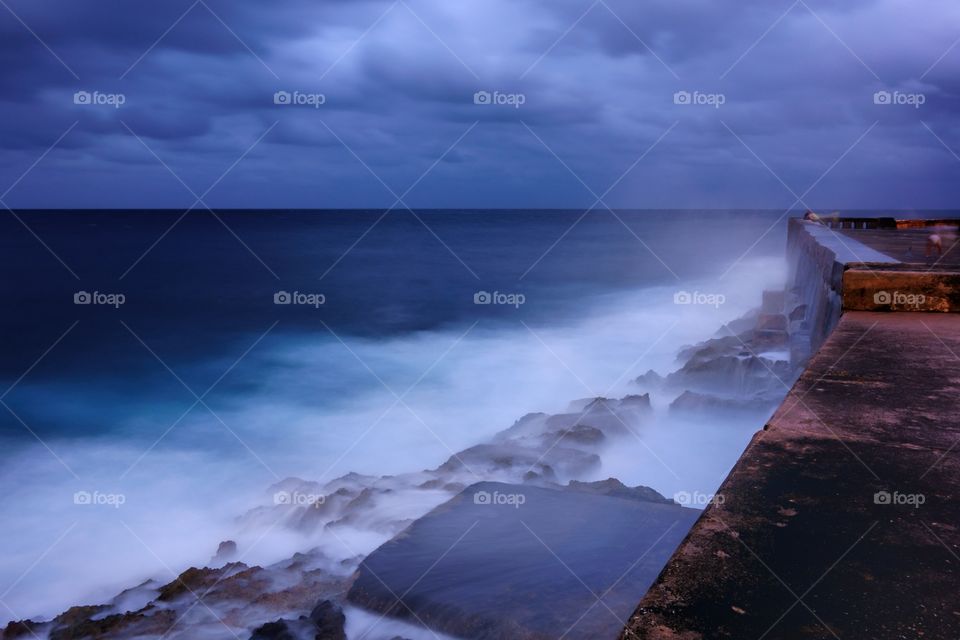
(842, 517)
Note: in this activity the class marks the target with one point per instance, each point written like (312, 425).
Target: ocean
(171, 368)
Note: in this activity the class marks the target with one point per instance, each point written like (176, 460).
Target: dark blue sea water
(198, 289)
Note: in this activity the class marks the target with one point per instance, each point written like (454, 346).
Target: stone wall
(814, 292)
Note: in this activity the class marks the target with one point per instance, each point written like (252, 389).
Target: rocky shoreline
(746, 367)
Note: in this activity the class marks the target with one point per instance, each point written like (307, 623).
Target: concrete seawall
(841, 518)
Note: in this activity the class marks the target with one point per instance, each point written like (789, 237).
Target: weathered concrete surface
(901, 289)
(842, 517)
(907, 243)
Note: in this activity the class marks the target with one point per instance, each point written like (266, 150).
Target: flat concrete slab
(842, 518)
(908, 245)
(846, 246)
(518, 562)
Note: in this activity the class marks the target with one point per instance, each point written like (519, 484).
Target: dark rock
(279, 630)
(799, 313)
(616, 489)
(490, 458)
(578, 433)
(692, 401)
(22, 629)
(226, 552)
(329, 620)
(650, 380)
(733, 375)
(193, 580)
(711, 349)
(636, 402)
(144, 623)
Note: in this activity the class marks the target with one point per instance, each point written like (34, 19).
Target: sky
(823, 104)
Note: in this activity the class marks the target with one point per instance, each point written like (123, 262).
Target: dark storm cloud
(589, 85)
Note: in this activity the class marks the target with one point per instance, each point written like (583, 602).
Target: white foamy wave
(137, 511)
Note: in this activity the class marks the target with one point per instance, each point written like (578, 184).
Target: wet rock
(145, 623)
(194, 579)
(329, 620)
(490, 459)
(278, 630)
(579, 434)
(739, 375)
(691, 401)
(226, 552)
(711, 349)
(22, 629)
(650, 380)
(615, 489)
(636, 402)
